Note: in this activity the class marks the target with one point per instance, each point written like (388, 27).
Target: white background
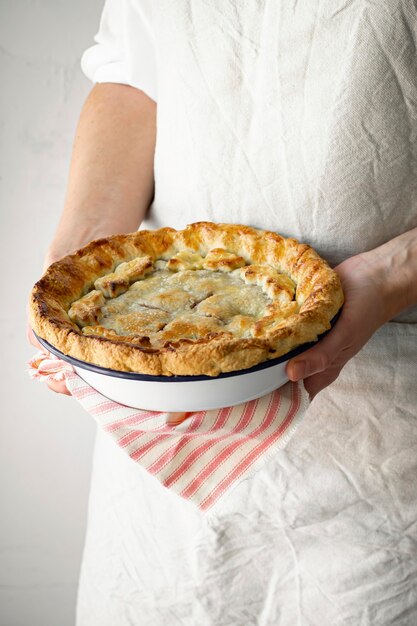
(46, 440)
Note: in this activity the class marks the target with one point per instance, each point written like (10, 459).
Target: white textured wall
(45, 439)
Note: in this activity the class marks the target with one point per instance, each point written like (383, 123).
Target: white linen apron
(299, 117)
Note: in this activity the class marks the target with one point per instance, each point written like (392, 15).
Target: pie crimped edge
(318, 297)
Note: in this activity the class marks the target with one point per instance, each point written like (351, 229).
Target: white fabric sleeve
(125, 48)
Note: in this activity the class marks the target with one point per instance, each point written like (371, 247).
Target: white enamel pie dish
(183, 393)
(218, 296)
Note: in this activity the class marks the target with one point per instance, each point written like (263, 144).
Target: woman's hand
(372, 284)
(58, 386)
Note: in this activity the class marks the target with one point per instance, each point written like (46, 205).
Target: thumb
(336, 347)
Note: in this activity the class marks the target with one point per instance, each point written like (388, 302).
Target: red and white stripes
(201, 455)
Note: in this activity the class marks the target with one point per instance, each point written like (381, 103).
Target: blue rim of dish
(176, 379)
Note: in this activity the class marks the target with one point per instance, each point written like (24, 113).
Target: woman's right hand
(58, 386)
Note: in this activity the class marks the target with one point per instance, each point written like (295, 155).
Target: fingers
(32, 339)
(314, 384)
(58, 386)
(321, 365)
(335, 349)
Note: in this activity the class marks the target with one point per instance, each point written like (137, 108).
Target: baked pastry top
(208, 299)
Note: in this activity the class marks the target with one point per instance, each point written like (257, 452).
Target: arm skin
(378, 285)
(110, 185)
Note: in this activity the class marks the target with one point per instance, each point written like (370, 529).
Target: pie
(208, 299)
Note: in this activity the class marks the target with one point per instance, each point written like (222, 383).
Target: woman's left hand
(368, 305)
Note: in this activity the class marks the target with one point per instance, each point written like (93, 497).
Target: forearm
(110, 185)
(394, 265)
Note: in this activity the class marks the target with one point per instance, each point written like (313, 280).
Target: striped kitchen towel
(200, 456)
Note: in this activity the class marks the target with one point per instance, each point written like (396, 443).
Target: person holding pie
(297, 118)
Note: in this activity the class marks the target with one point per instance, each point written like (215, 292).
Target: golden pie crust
(208, 299)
